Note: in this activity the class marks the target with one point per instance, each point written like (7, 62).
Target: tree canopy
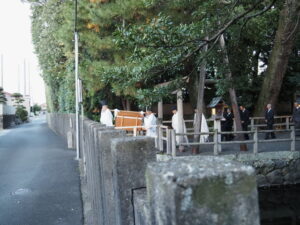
(128, 47)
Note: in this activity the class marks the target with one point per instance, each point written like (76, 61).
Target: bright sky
(16, 46)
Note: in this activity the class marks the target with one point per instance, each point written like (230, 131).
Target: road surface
(39, 178)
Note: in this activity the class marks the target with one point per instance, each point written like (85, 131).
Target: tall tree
(288, 28)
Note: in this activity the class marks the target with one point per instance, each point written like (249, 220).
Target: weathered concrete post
(202, 190)
(108, 204)
(129, 159)
(255, 139)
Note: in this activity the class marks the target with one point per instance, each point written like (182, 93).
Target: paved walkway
(39, 178)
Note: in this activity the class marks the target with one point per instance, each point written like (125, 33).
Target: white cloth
(175, 125)
(106, 117)
(150, 123)
(204, 128)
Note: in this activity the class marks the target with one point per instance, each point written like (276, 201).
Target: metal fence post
(173, 138)
(169, 140)
(216, 144)
(293, 137)
(255, 139)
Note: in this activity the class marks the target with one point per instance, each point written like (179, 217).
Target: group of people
(150, 121)
(227, 122)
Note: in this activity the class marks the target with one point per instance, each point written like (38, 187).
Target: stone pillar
(108, 204)
(93, 174)
(202, 190)
(130, 157)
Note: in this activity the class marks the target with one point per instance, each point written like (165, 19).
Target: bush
(21, 113)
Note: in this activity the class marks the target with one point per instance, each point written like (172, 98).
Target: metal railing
(217, 143)
(280, 122)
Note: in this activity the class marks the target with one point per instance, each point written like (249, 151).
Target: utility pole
(2, 71)
(28, 78)
(76, 85)
(19, 79)
(24, 77)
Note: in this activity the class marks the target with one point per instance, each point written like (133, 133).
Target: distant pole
(19, 79)
(2, 71)
(24, 77)
(76, 84)
(28, 78)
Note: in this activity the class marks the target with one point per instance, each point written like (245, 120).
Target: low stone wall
(62, 124)
(125, 185)
(273, 168)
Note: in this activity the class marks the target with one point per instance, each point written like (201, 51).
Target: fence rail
(165, 139)
(280, 121)
(255, 141)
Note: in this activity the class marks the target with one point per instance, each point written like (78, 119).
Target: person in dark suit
(269, 118)
(296, 117)
(245, 119)
(227, 124)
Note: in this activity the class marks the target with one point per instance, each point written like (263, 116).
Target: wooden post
(134, 131)
(293, 137)
(216, 144)
(180, 116)
(287, 122)
(252, 124)
(169, 140)
(160, 111)
(173, 138)
(255, 139)
(217, 126)
(160, 140)
(157, 138)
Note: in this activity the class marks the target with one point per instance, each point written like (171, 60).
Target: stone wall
(273, 168)
(123, 184)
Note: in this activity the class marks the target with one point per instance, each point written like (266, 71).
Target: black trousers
(297, 127)
(245, 128)
(270, 127)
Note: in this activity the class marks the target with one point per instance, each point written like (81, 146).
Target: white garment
(149, 122)
(204, 128)
(106, 117)
(175, 125)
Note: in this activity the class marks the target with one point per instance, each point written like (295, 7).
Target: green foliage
(22, 113)
(36, 108)
(128, 47)
(2, 96)
(18, 99)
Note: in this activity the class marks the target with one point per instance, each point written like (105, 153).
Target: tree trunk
(232, 95)
(287, 31)
(200, 102)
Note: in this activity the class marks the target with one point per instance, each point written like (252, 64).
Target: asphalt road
(39, 178)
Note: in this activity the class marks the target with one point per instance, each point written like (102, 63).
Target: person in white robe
(150, 123)
(175, 126)
(106, 117)
(204, 127)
